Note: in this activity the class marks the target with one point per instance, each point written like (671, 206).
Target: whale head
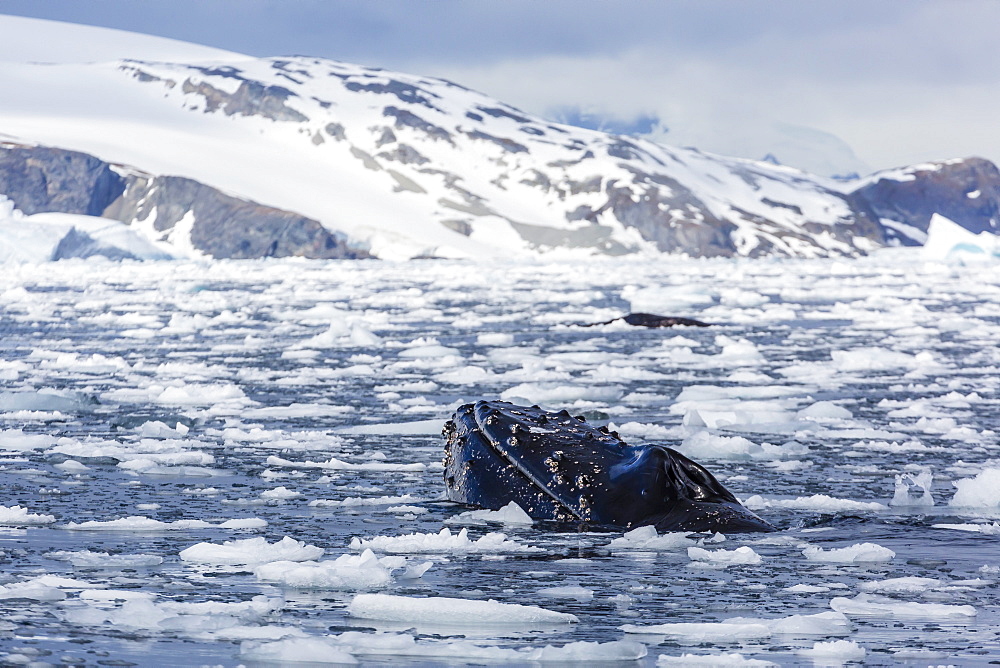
(559, 467)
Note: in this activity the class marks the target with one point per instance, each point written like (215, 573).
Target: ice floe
(445, 611)
(442, 542)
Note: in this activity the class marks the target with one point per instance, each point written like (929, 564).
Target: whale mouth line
(559, 467)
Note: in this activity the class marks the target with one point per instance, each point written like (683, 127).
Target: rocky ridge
(315, 158)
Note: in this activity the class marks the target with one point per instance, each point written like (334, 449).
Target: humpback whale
(559, 467)
(653, 320)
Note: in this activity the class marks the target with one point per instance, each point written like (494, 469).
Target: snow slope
(412, 166)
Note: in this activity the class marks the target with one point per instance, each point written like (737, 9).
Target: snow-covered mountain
(364, 161)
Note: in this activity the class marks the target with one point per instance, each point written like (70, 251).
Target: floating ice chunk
(72, 466)
(740, 556)
(852, 554)
(837, 650)
(251, 551)
(17, 516)
(905, 482)
(334, 464)
(561, 393)
(705, 445)
(989, 529)
(511, 514)
(816, 502)
(442, 542)
(32, 591)
(201, 394)
(296, 410)
(334, 649)
(867, 605)
(279, 494)
(738, 629)
(905, 585)
(355, 501)
(646, 538)
(419, 427)
(695, 633)
(135, 523)
(15, 440)
(88, 559)
(737, 352)
(825, 410)
(348, 571)
(947, 240)
(873, 359)
(983, 491)
(298, 650)
(734, 660)
(45, 399)
(143, 612)
(451, 611)
(495, 339)
(568, 591)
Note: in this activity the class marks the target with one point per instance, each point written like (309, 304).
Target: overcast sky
(900, 82)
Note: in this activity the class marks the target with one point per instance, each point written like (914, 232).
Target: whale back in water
(558, 467)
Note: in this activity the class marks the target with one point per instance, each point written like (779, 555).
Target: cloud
(899, 81)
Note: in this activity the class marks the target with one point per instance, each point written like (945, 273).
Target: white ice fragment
(740, 556)
(251, 551)
(992, 529)
(334, 464)
(646, 538)
(348, 571)
(495, 339)
(279, 494)
(734, 660)
(140, 523)
(451, 611)
(903, 585)
(816, 502)
(442, 542)
(838, 650)
(868, 605)
(853, 554)
(695, 633)
(15, 440)
(982, 491)
(905, 482)
(88, 559)
(355, 501)
(825, 410)
(511, 514)
(17, 516)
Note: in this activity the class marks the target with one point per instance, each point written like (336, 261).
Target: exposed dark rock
(225, 226)
(387, 137)
(964, 191)
(409, 119)
(404, 154)
(405, 92)
(497, 112)
(250, 99)
(508, 145)
(39, 179)
(335, 130)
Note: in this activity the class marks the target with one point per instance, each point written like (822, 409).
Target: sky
(869, 84)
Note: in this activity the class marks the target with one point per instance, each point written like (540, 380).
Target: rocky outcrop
(39, 179)
(964, 191)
